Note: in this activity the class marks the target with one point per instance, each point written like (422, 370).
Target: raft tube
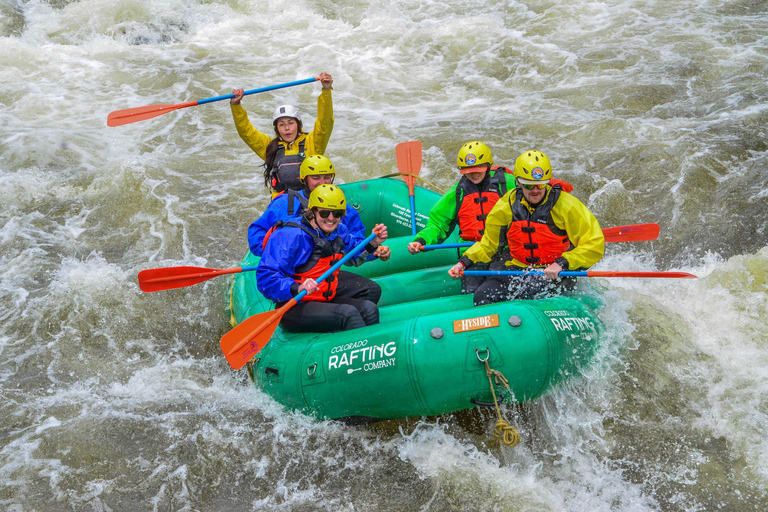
(427, 356)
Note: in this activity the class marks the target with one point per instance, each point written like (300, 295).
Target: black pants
(500, 288)
(360, 287)
(470, 284)
(351, 308)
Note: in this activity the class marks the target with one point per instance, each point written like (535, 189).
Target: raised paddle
(156, 279)
(408, 155)
(577, 273)
(633, 233)
(252, 334)
(132, 115)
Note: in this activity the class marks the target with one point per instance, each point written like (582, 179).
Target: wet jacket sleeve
(321, 133)
(350, 242)
(495, 224)
(286, 249)
(583, 231)
(277, 210)
(256, 140)
(442, 220)
(510, 179)
(354, 225)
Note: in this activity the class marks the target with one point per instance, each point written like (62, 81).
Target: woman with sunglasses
(545, 228)
(297, 253)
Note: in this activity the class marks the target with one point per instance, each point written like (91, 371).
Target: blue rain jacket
(290, 247)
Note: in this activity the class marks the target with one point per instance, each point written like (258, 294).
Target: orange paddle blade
(677, 275)
(156, 279)
(133, 115)
(632, 233)
(408, 155)
(251, 335)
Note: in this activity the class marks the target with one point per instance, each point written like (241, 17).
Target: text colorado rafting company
(362, 356)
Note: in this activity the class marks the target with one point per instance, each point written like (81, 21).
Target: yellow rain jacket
(568, 214)
(315, 141)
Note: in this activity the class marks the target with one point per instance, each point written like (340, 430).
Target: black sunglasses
(337, 214)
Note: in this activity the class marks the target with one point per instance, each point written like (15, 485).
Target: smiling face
(328, 224)
(475, 173)
(318, 179)
(475, 177)
(288, 128)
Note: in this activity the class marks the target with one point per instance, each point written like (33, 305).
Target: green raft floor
(426, 356)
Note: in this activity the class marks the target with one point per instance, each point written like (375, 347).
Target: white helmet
(286, 111)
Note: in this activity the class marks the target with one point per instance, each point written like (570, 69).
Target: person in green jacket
(284, 152)
(467, 204)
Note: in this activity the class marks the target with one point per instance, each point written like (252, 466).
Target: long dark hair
(272, 147)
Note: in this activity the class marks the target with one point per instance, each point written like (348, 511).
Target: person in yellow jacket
(545, 228)
(284, 152)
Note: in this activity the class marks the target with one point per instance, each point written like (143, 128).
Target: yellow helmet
(533, 168)
(328, 197)
(315, 165)
(474, 154)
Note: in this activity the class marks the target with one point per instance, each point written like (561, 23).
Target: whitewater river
(116, 400)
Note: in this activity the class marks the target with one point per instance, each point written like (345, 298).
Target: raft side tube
(370, 197)
(420, 366)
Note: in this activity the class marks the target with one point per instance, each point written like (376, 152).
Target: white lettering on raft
(372, 357)
(571, 322)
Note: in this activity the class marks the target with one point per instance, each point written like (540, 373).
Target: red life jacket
(567, 187)
(533, 238)
(474, 202)
(325, 254)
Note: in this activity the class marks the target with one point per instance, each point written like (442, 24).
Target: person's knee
(370, 312)
(374, 292)
(350, 317)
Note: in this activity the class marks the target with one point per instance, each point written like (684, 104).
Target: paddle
(576, 273)
(408, 155)
(633, 233)
(132, 115)
(252, 334)
(156, 279)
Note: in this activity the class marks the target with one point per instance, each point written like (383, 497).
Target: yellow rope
(502, 430)
(414, 176)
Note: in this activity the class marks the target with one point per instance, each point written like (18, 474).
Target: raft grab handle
(475, 401)
(488, 354)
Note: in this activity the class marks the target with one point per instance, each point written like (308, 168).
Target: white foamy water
(113, 399)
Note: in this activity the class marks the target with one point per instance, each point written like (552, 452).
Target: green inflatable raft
(427, 356)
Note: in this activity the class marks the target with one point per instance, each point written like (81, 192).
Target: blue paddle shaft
(564, 273)
(254, 91)
(413, 215)
(448, 246)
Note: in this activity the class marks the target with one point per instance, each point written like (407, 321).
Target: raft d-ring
(487, 354)
(313, 369)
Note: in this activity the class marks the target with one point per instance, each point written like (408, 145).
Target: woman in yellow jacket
(544, 227)
(284, 152)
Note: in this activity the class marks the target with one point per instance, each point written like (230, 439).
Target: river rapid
(114, 399)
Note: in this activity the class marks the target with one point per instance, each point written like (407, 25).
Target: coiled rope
(502, 430)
